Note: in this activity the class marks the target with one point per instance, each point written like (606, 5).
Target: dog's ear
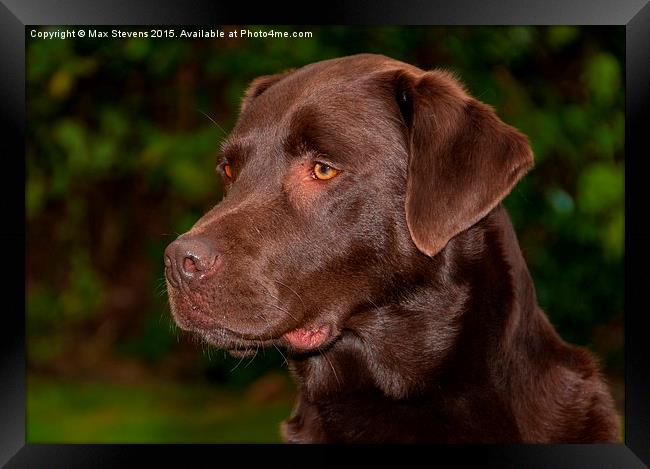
(259, 85)
(463, 160)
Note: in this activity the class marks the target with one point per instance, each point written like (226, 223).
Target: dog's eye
(226, 168)
(323, 172)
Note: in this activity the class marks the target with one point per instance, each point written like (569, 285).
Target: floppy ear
(463, 160)
(259, 85)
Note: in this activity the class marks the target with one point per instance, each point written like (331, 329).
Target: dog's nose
(191, 258)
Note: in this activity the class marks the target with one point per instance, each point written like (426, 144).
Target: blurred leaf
(44, 57)
(85, 292)
(560, 36)
(603, 77)
(544, 132)
(43, 313)
(71, 136)
(574, 118)
(104, 153)
(600, 187)
(561, 201)
(614, 236)
(43, 349)
(60, 84)
(114, 122)
(154, 341)
(137, 48)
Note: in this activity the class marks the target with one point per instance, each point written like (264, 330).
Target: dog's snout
(191, 258)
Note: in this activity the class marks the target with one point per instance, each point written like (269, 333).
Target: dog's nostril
(191, 258)
(189, 265)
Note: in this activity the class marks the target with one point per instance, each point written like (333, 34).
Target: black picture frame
(15, 15)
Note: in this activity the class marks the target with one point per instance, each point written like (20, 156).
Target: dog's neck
(477, 288)
(485, 355)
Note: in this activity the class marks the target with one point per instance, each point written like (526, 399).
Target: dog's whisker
(214, 122)
(324, 355)
(286, 362)
(276, 299)
(282, 309)
(257, 348)
(239, 362)
(304, 308)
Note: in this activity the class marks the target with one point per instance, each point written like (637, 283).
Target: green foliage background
(120, 158)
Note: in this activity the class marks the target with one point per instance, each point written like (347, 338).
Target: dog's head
(338, 176)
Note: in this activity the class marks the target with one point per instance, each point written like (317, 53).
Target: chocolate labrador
(361, 229)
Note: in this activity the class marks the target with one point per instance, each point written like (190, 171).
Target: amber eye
(227, 169)
(324, 172)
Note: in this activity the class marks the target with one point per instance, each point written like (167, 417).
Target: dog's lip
(308, 337)
(302, 339)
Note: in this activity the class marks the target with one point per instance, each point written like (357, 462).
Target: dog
(362, 230)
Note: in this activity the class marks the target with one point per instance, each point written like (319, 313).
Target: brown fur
(406, 256)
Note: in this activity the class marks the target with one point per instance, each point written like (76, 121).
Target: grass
(92, 412)
(168, 412)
